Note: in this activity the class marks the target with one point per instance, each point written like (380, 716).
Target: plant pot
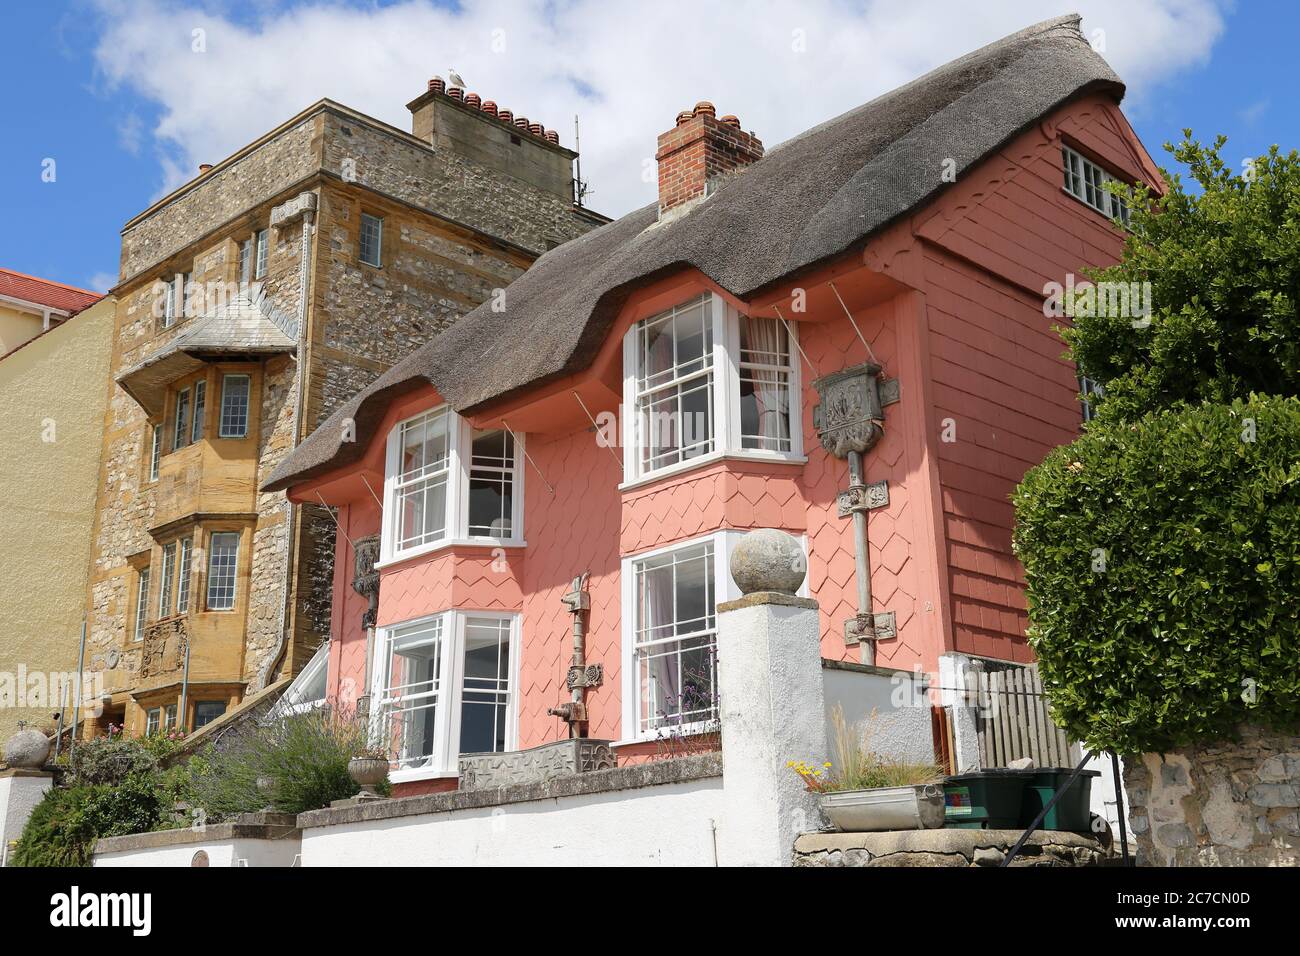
(368, 773)
(916, 807)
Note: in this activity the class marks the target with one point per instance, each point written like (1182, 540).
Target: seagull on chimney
(454, 78)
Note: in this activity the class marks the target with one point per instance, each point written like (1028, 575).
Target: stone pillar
(20, 790)
(771, 703)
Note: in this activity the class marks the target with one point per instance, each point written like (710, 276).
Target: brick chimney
(698, 150)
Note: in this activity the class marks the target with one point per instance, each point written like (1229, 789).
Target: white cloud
(625, 68)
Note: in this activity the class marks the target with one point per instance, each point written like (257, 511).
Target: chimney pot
(456, 93)
(521, 122)
(489, 107)
(506, 116)
(474, 100)
(437, 84)
(537, 129)
(553, 137)
(685, 116)
(704, 107)
(731, 121)
(204, 167)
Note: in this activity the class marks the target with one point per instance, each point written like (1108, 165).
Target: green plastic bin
(1071, 811)
(985, 799)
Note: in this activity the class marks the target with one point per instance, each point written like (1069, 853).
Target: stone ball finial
(28, 749)
(768, 560)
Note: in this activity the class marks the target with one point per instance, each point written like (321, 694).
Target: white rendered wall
(220, 853)
(666, 825)
(891, 713)
(18, 797)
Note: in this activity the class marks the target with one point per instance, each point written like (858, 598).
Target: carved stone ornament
(365, 580)
(163, 647)
(870, 627)
(562, 758)
(862, 498)
(849, 416)
(299, 205)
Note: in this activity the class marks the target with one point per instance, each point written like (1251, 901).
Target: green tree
(1161, 548)
(1223, 261)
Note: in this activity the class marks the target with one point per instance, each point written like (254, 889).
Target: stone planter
(368, 773)
(918, 807)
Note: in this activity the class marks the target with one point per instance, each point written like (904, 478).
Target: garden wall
(1224, 803)
(662, 813)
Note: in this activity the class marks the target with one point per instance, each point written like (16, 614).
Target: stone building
(252, 302)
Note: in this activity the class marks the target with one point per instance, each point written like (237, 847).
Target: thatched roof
(809, 199)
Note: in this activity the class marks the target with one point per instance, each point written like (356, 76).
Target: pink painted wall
(960, 326)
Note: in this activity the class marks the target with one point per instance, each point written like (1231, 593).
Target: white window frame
(378, 262)
(1081, 176)
(456, 521)
(443, 762)
(169, 717)
(724, 589)
(152, 721)
(181, 425)
(246, 262)
(726, 399)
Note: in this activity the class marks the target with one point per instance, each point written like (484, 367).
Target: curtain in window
(763, 346)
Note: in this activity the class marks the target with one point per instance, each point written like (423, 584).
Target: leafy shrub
(1163, 563)
(64, 826)
(302, 758)
(109, 760)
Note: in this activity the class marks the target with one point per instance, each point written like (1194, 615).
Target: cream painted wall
(52, 392)
(17, 327)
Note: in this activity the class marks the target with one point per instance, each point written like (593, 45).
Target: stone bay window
(445, 686)
(447, 482)
(702, 381)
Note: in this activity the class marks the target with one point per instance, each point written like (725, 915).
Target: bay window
(447, 482)
(446, 687)
(669, 634)
(702, 381)
(141, 603)
(168, 580)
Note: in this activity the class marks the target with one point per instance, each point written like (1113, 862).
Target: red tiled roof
(54, 295)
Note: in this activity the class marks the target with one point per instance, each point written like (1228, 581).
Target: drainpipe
(862, 559)
(300, 381)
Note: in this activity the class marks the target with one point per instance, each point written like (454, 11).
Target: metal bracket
(593, 675)
(889, 391)
(862, 498)
(873, 627)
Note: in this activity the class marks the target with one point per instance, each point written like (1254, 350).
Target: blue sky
(116, 96)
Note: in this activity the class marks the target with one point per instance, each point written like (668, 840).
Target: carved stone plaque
(562, 758)
(862, 498)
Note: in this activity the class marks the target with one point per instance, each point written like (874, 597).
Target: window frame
(460, 435)
(152, 720)
(167, 580)
(245, 261)
(208, 578)
(225, 708)
(143, 584)
(184, 573)
(155, 450)
(444, 761)
(727, 439)
(261, 253)
(198, 409)
(248, 405)
(181, 424)
(724, 542)
(1090, 177)
(378, 242)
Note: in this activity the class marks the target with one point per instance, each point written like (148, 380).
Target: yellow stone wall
(53, 396)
